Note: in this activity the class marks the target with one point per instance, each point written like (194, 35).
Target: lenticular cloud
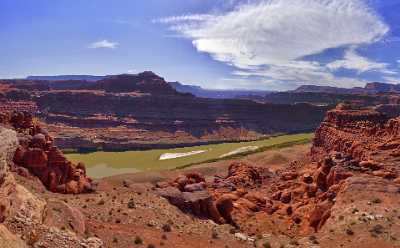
(279, 31)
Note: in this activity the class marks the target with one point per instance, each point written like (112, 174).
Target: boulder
(224, 205)
(39, 141)
(35, 159)
(242, 174)
(195, 187)
(320, 214)
(336, 175)
(61, 215)
(256, 197)
(370, 165)
(286, 196)
(173, 195)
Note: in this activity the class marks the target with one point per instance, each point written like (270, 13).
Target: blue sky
(257, 44)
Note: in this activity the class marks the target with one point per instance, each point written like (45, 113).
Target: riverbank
(104, 164)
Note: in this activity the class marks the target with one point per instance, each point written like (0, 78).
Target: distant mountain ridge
(327, 89)
(92, 81)
(370, 88)
(377, 87)
(79, 81)
(66, 77)
(145, 82)
(217, 94)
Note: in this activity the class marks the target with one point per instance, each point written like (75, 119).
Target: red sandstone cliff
(37, 154)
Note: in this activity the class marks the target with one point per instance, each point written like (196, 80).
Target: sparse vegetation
(349, 231)
(376, 201)
(313, 239)
(214, 234)
(131, 204)
(167, 228)
(138, 240)
(377, 229)
(267, 245)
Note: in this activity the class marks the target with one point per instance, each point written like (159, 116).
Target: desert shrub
(138, 240)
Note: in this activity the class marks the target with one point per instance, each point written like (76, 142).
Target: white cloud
(353, 61)
(269, 38)
(174, 19)
(104, 44)
(392, 80)
(301, 72)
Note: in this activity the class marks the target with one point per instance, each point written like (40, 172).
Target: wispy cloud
(183, 18)
(392, 80)
(104, 44)
(270, 38)
(353, 61)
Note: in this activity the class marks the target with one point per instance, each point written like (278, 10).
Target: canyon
(344, 193)
(340, 191)
(348, 187)
(143, 111)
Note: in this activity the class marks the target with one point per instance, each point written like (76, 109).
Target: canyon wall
(143, 111)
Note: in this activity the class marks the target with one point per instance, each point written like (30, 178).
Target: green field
(102, 164)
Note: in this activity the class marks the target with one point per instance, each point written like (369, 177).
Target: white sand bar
(240, 150)
(166, 156)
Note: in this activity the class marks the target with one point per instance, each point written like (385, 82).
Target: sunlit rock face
(35, 151)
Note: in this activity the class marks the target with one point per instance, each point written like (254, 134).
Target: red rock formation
(37, 153)
(225, 200)
(349, 145)
(145, 82)
(370, 136)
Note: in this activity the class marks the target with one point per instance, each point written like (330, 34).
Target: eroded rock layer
(351, 167)
(143, 111)
(37, 154)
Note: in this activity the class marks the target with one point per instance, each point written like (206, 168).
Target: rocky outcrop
(354, 154)
(7, 148)
(350, 145)
(225, 200)
(8, 145)
(189, 193)
(37, 153)
(370, 136)
(26, 218)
